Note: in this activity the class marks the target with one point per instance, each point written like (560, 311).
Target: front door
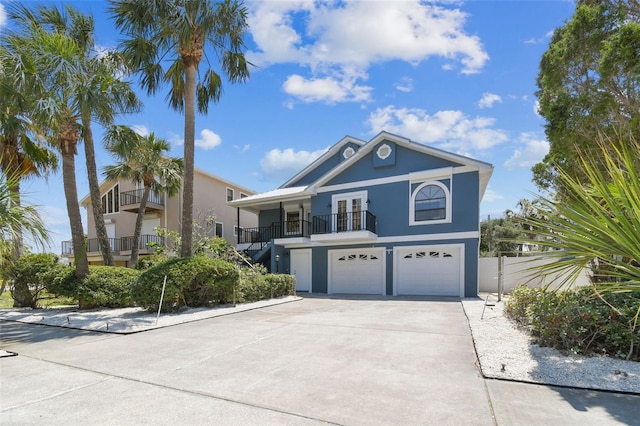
(301, 268)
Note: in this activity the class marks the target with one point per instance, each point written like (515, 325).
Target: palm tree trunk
(68, 151)
(189, 142)
(138, 229)
(94, 191)
(10, 161)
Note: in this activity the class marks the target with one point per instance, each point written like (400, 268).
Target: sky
(456, 75)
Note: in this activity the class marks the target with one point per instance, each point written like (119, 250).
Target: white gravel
(506, 351)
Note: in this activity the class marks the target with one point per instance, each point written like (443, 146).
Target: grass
(46, 301)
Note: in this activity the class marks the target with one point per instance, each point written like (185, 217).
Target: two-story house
(121, 201)
(386, 216)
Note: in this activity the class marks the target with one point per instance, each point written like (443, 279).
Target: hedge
(191, 282)
(107, 286)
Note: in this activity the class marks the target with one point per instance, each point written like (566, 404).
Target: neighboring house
(388, 217)
(121, 200)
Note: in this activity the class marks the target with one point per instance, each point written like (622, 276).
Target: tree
(166, 42)
(141, 159)
(23, 153)
(589, 84)
(96, 91)
(498, 237)
(596, 224)
(15, 220)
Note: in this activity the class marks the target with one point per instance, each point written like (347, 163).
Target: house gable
(341, 151)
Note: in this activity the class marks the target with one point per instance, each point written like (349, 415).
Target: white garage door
(428, 270)
(358, 271)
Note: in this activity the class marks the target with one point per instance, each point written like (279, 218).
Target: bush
(580, 322)
(255, 285)
(62, 281)
(28, 277)
(107, 286)
(194, 281)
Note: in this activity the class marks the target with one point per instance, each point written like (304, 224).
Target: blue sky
(455, 75)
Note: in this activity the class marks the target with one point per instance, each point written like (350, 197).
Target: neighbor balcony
(130, 201)
(119, 246)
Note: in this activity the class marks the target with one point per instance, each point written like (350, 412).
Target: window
(293, 222)
(236, 229)
(430, 203)
(243, 195)
(111, 200)
(219, 230)
(229, 194)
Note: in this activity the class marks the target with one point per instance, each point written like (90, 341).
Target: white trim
(383, 259)
(380, 154)
(416, 176)
(348, 196)
(292, 242)
(412, 204)
(348, 152)
(236, 228)
(351, 236)
(226, 195)
(430, 237)
(222, 227)
(460, 246)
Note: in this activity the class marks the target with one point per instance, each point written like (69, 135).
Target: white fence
(515, 273)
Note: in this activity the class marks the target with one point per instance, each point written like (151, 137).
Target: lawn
(46, 301)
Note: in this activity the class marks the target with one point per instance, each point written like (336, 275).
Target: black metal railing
(143, 243)
(135, 197)
(93, 244)
(344, 222)
(286, 229)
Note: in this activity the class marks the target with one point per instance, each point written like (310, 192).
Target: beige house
(121, 201)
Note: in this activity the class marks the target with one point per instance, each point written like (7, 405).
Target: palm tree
(141, 159)
(166, 41)
(22, 153)
(97, 93)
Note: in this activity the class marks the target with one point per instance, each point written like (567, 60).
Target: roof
(253, 202)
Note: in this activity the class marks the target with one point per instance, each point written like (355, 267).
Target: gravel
(507, 352)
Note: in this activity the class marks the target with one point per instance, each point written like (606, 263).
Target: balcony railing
(322, 224)
(286, 229)
(143, 243)
(135, 197)
(117, 244)
(344, 222)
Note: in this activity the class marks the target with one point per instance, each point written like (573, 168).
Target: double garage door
(418, 270)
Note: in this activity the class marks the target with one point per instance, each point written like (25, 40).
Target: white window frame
(412, 204)
(233, 194)
(221, 227)
(235, 230)
(115, 201)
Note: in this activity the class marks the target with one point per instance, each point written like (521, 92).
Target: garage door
(428, 270)
(358, 271)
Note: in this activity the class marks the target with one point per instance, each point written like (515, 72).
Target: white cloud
(208, 140)
(452, 130)
(531, 152)
(490, 196)
(141, 129)
(243, 148)
(339, 41)
(281, 164)
(488, 99)
(404, 85)
(3, 16)
(536, 108)
(328, 89)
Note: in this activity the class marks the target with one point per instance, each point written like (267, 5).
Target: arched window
(430, 203)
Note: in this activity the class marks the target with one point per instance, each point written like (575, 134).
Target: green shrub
(580, 322)
(62, 281)
(107, 286)
(194, 281)
(28, 277)
(146, 262)
(254, 285)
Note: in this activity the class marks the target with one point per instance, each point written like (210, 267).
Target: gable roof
(485, 170)
(324, 157)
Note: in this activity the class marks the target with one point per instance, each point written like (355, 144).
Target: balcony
(340, 226)
(130, 201)
(119, 246)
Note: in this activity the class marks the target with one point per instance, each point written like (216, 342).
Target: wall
(515, 274)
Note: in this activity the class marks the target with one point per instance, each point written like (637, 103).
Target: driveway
(353, 361)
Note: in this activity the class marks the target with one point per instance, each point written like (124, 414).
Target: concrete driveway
(352, 361)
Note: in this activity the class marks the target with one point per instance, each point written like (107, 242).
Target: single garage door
(428, 270)
(359, 271)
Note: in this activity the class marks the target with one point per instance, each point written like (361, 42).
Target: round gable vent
(383, 152)
(348, 152)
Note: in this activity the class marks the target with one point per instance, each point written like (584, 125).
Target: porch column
(238, 214)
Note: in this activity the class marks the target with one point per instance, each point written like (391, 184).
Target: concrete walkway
(377, 361)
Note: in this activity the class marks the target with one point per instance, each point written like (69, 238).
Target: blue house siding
(267, 217)
(406, 161)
